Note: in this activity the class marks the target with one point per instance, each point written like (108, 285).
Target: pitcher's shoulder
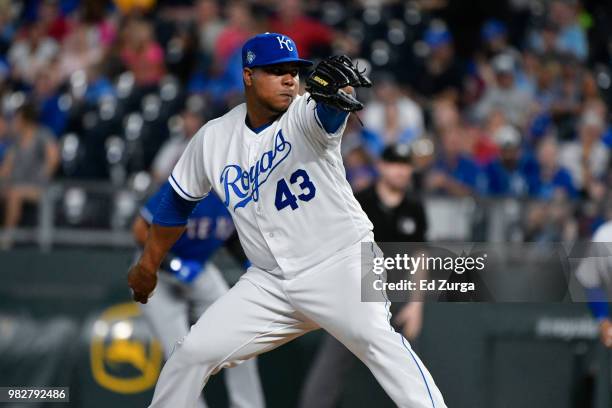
(298, 102)
(229, 120)
(298, 110)
(224, 126)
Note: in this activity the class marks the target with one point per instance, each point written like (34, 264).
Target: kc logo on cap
(284, 41)
(269, 49)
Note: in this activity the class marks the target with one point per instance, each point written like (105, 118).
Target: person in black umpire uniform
(398, 215)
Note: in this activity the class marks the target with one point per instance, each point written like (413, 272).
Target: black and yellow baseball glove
(332, 74)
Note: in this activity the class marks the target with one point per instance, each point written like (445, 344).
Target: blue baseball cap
(492, 29)
(268, 49)
(437, 36)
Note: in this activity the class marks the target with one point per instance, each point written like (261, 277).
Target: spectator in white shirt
(392, 114)
(587, 158)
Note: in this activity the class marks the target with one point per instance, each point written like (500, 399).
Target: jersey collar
(259, 129)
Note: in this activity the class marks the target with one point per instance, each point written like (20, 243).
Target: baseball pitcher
(275, 162)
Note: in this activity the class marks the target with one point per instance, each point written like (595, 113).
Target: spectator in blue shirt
(223, 87)
(5, 69)
(561, 33)
(454, 173)
(494, 36)
(356, 135)
(548, 180)
(572, 38)
(98, 85)
(5, 141)
(506, 175)
(47, 97)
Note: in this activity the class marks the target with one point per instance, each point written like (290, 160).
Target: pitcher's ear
(247, 76)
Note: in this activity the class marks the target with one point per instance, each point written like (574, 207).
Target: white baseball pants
(168, 313)
(267, 309)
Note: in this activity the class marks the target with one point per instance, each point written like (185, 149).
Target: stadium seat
(125, 85)
(333, 13)
(125, 206)
(69, 150)
(380, 55)
(115, 153)
(175, 125)
(74, 204)
(150, 106)
(107, 108)
(140, 182)
(133, 127)
(78, 84)
(396, 32)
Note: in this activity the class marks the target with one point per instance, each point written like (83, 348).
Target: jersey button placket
(261, 219)
(253, 151)
(254, 148)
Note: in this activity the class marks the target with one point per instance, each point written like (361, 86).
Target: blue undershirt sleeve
(173, 210)
(596, 299)
(331, 118)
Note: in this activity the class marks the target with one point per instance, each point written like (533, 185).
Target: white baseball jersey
(595, 271)
(285, 187)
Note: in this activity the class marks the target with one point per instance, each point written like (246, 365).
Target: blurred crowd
(496, 100)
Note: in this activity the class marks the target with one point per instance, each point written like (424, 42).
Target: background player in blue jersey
(595, 274)
(190, 283)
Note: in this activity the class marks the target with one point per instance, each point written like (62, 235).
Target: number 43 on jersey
(284, 196)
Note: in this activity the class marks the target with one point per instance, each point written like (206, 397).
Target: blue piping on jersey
(404, 340)
(419, 367)
(183, 191)
(146, 215)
